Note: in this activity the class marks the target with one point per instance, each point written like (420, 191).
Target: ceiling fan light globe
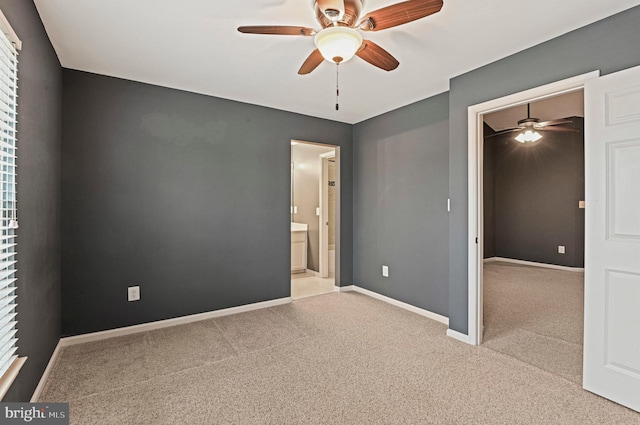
(528, 136)
(338, 44)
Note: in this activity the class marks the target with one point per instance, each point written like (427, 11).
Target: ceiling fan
(528, 128)
(342, 21)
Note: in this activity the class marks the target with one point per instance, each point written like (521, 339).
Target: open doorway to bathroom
(314, 209)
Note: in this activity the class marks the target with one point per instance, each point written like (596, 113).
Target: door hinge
(476, 240)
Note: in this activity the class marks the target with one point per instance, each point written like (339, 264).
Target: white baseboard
(313, 272)
(45, 375)
(128, 330)
(334, 290)
(459, 336)
(450, 332)
(409, 307)
(533, 264)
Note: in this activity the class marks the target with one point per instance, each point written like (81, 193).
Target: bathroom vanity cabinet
(298, 247)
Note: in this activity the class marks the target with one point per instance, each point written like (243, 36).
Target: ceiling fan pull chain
(337, 85)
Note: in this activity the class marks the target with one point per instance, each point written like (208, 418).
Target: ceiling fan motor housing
(528, 122)
(352, 10)
(332, 14)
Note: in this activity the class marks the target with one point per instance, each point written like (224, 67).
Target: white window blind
(8, 218)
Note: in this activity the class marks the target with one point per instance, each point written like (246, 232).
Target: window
(9, 362)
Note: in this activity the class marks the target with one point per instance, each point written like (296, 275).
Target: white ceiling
(193, 45)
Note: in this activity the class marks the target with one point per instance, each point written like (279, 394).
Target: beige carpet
(342, 358)
(535, 315)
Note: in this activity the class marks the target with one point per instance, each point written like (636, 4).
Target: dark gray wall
(183, 194)
(39, 110)
(400, 204)
(609, 45)
(489, 189)
(537, 188)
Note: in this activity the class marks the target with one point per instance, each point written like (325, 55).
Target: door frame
(323, 251)
(337, 224)
(475, 239)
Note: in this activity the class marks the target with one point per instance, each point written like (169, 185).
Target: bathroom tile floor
(307, 285)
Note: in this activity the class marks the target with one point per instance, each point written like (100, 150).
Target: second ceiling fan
(528, 128)
(340, 38)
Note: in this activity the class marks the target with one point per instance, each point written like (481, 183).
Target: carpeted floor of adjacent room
(535, 315)
(341, 358)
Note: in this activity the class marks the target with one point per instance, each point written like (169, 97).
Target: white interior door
(612, 248)
(323, 219)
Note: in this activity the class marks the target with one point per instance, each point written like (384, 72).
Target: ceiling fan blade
(554, 128)
(277, 30)
(311, 63)
(399, 13)
(501, 132)
(377, 56)
(553, 122)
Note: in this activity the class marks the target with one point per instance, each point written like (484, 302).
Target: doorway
(532, 198)
(610, 364)
(314, 218)
(475, 241)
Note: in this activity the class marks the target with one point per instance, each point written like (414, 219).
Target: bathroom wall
(331, 195)
(306, 194)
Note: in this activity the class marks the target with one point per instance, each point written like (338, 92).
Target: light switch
(581, 204)
(560, 249)
(318, 211)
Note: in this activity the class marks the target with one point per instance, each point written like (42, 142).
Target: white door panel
(622, 290)
(612, 239)
(624, 176)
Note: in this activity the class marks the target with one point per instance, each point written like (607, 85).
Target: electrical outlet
(133, 293)
(560, 249)
(385, 271)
